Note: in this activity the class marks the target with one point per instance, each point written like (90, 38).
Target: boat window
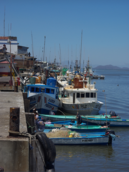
(52, 91)
(78, 95)
(47, 90)
(82, 95)
(42, 89)
(91, 95)
(94, 94)
(87, 94)
(37, 89)
(32, 89)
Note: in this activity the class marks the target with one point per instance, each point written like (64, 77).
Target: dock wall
(15, 152)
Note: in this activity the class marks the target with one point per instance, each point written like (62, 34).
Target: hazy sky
(105, 25)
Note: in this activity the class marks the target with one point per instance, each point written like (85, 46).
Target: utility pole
(81, 49)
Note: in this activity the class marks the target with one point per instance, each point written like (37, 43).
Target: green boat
(113, 122)
(73, 117)
(78, 128)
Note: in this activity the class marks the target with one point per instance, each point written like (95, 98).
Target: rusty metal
(14, 119)
(78, 84)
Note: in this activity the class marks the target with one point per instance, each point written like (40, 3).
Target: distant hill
(110, 67)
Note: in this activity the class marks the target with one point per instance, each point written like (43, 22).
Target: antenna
(81, 49)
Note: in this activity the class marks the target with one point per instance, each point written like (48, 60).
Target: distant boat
(88, 70)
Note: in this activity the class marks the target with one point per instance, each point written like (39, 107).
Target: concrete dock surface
(7, 100)
(14, 151)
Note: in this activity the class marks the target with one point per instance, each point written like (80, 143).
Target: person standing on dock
(78, 117)
(40, 125)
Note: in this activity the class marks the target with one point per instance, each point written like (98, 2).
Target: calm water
(102, 158)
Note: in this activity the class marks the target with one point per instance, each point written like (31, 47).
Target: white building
(12, 45)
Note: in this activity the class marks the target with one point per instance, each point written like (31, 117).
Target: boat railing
(65, 100)
(90, 86)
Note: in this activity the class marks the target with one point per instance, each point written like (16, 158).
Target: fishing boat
(106, 120)
(43, 97)
(85, 139)
(81, 96)
(58, 117)
(73, 117)
(88, 70)
(78, 128)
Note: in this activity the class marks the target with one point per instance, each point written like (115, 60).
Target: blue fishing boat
(84, 139)
(58, 117)
(43, 97)
(82, 128)
(73, 117)
(105, 120)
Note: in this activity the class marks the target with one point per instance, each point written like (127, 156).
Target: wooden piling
(14, 120)
(30, 122)
(15, 86)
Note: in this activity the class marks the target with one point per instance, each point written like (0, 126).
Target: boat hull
(80, 130)
(58, 117)
(83, 108)
(117, 123)
(44, 103)
(81, 141)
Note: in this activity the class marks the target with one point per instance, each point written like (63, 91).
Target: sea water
(113, 91)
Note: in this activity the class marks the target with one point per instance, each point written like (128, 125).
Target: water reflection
(84, 151)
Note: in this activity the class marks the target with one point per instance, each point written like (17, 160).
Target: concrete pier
(14, 151)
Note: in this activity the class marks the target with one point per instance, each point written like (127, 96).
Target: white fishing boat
(88, 70)
(81, 96)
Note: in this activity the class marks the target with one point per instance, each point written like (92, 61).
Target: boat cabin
(79, 96)
(80, 92)
(50, 89)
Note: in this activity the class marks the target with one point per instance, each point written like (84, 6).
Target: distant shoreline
(110, 67)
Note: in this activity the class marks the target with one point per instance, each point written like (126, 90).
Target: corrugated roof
(4, 62)
(8, 37)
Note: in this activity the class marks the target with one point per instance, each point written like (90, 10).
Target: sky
(101, 25)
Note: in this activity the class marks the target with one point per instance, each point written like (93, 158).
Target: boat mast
(81, 50)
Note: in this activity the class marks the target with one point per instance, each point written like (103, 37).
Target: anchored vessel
(104, 138)
(43, 97)
(81, 97)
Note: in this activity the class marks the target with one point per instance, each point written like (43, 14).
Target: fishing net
(59, 133)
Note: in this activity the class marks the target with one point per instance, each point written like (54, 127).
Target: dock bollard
(1, 169)
(16, 87)
(14, 121)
